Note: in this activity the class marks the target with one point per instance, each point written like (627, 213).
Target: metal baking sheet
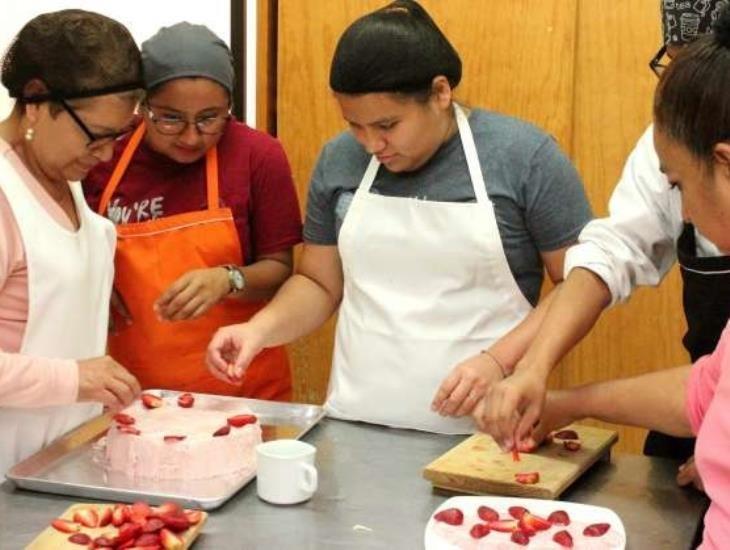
(71, 465)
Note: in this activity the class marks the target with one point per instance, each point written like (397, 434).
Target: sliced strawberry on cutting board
(170, 540)
(177, 523)
(105, 516)
(566, 434)
(104, 541)
(139, 512)
(452, 516)
(153, 525)
(241, 420)
(151, 401)
(139, 527)
(120, 515)
(571, 445)
(194, 516)
(173, 438)
(147, 539)
(167, 509)
(127, 532)
(88, 517)
(80, 538)
(65, 526)
(527, 478)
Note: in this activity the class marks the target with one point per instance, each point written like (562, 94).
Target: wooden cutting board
(51, 539)
(478, 466)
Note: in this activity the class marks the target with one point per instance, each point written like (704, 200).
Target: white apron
(426, 286)
(69, 284)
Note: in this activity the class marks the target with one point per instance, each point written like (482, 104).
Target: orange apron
(150, 256)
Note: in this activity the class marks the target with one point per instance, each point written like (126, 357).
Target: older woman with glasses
(206, 214)
(76, 78)
(636, 245)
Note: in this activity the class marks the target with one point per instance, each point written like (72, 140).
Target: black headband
(55, 95)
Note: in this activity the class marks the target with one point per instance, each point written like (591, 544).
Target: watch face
(237, 279)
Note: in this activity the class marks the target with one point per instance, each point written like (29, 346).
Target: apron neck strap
(211, 177)
(472, 157)
(211, 172)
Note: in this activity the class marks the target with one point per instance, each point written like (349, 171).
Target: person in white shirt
(636, 245)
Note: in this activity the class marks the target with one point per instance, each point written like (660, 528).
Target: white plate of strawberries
(472, 523)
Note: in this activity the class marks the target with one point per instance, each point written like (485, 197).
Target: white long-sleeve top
(636, 244)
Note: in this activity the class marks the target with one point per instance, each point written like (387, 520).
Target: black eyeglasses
(656, 64)
(171, 124)
(95, 140)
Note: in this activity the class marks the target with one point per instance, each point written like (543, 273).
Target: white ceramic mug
(285, 472)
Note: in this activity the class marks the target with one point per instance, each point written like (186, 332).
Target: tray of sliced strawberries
(473, 523)
(116, 526)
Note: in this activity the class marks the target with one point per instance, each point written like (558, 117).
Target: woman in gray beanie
(206, 215)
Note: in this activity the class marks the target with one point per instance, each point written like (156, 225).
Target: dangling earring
(29, 134)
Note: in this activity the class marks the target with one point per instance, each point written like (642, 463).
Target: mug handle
(309, 481)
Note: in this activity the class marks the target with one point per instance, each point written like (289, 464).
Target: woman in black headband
(75, 76)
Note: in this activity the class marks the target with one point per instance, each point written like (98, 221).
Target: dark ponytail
(396, 49)
(692, 100)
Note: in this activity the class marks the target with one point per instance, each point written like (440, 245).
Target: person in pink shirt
(692, 139)
(75, 77)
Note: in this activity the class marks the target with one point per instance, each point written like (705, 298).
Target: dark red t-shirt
(255, 182)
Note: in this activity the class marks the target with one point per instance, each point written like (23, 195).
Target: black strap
(56, 96)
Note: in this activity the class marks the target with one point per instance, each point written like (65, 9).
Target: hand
(512, 407)
(118, 312)
(104, 380)
(231, 351)
(193, 294)
(467, 383)
(688, 474)
(559, 411)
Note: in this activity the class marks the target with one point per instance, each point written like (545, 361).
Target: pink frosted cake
(177, 438)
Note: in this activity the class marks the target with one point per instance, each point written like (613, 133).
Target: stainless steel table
(371, 476)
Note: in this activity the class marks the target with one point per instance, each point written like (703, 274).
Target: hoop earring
(29, 134)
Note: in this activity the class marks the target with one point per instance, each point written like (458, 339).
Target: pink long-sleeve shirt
(708, 410)
(26, 381)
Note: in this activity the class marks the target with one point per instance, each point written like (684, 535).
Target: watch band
(236, 278)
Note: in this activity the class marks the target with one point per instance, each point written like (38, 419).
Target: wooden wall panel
(613, 96)
(577, 68)
(532, 80)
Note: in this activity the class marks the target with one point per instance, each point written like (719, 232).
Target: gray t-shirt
(538, 197)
